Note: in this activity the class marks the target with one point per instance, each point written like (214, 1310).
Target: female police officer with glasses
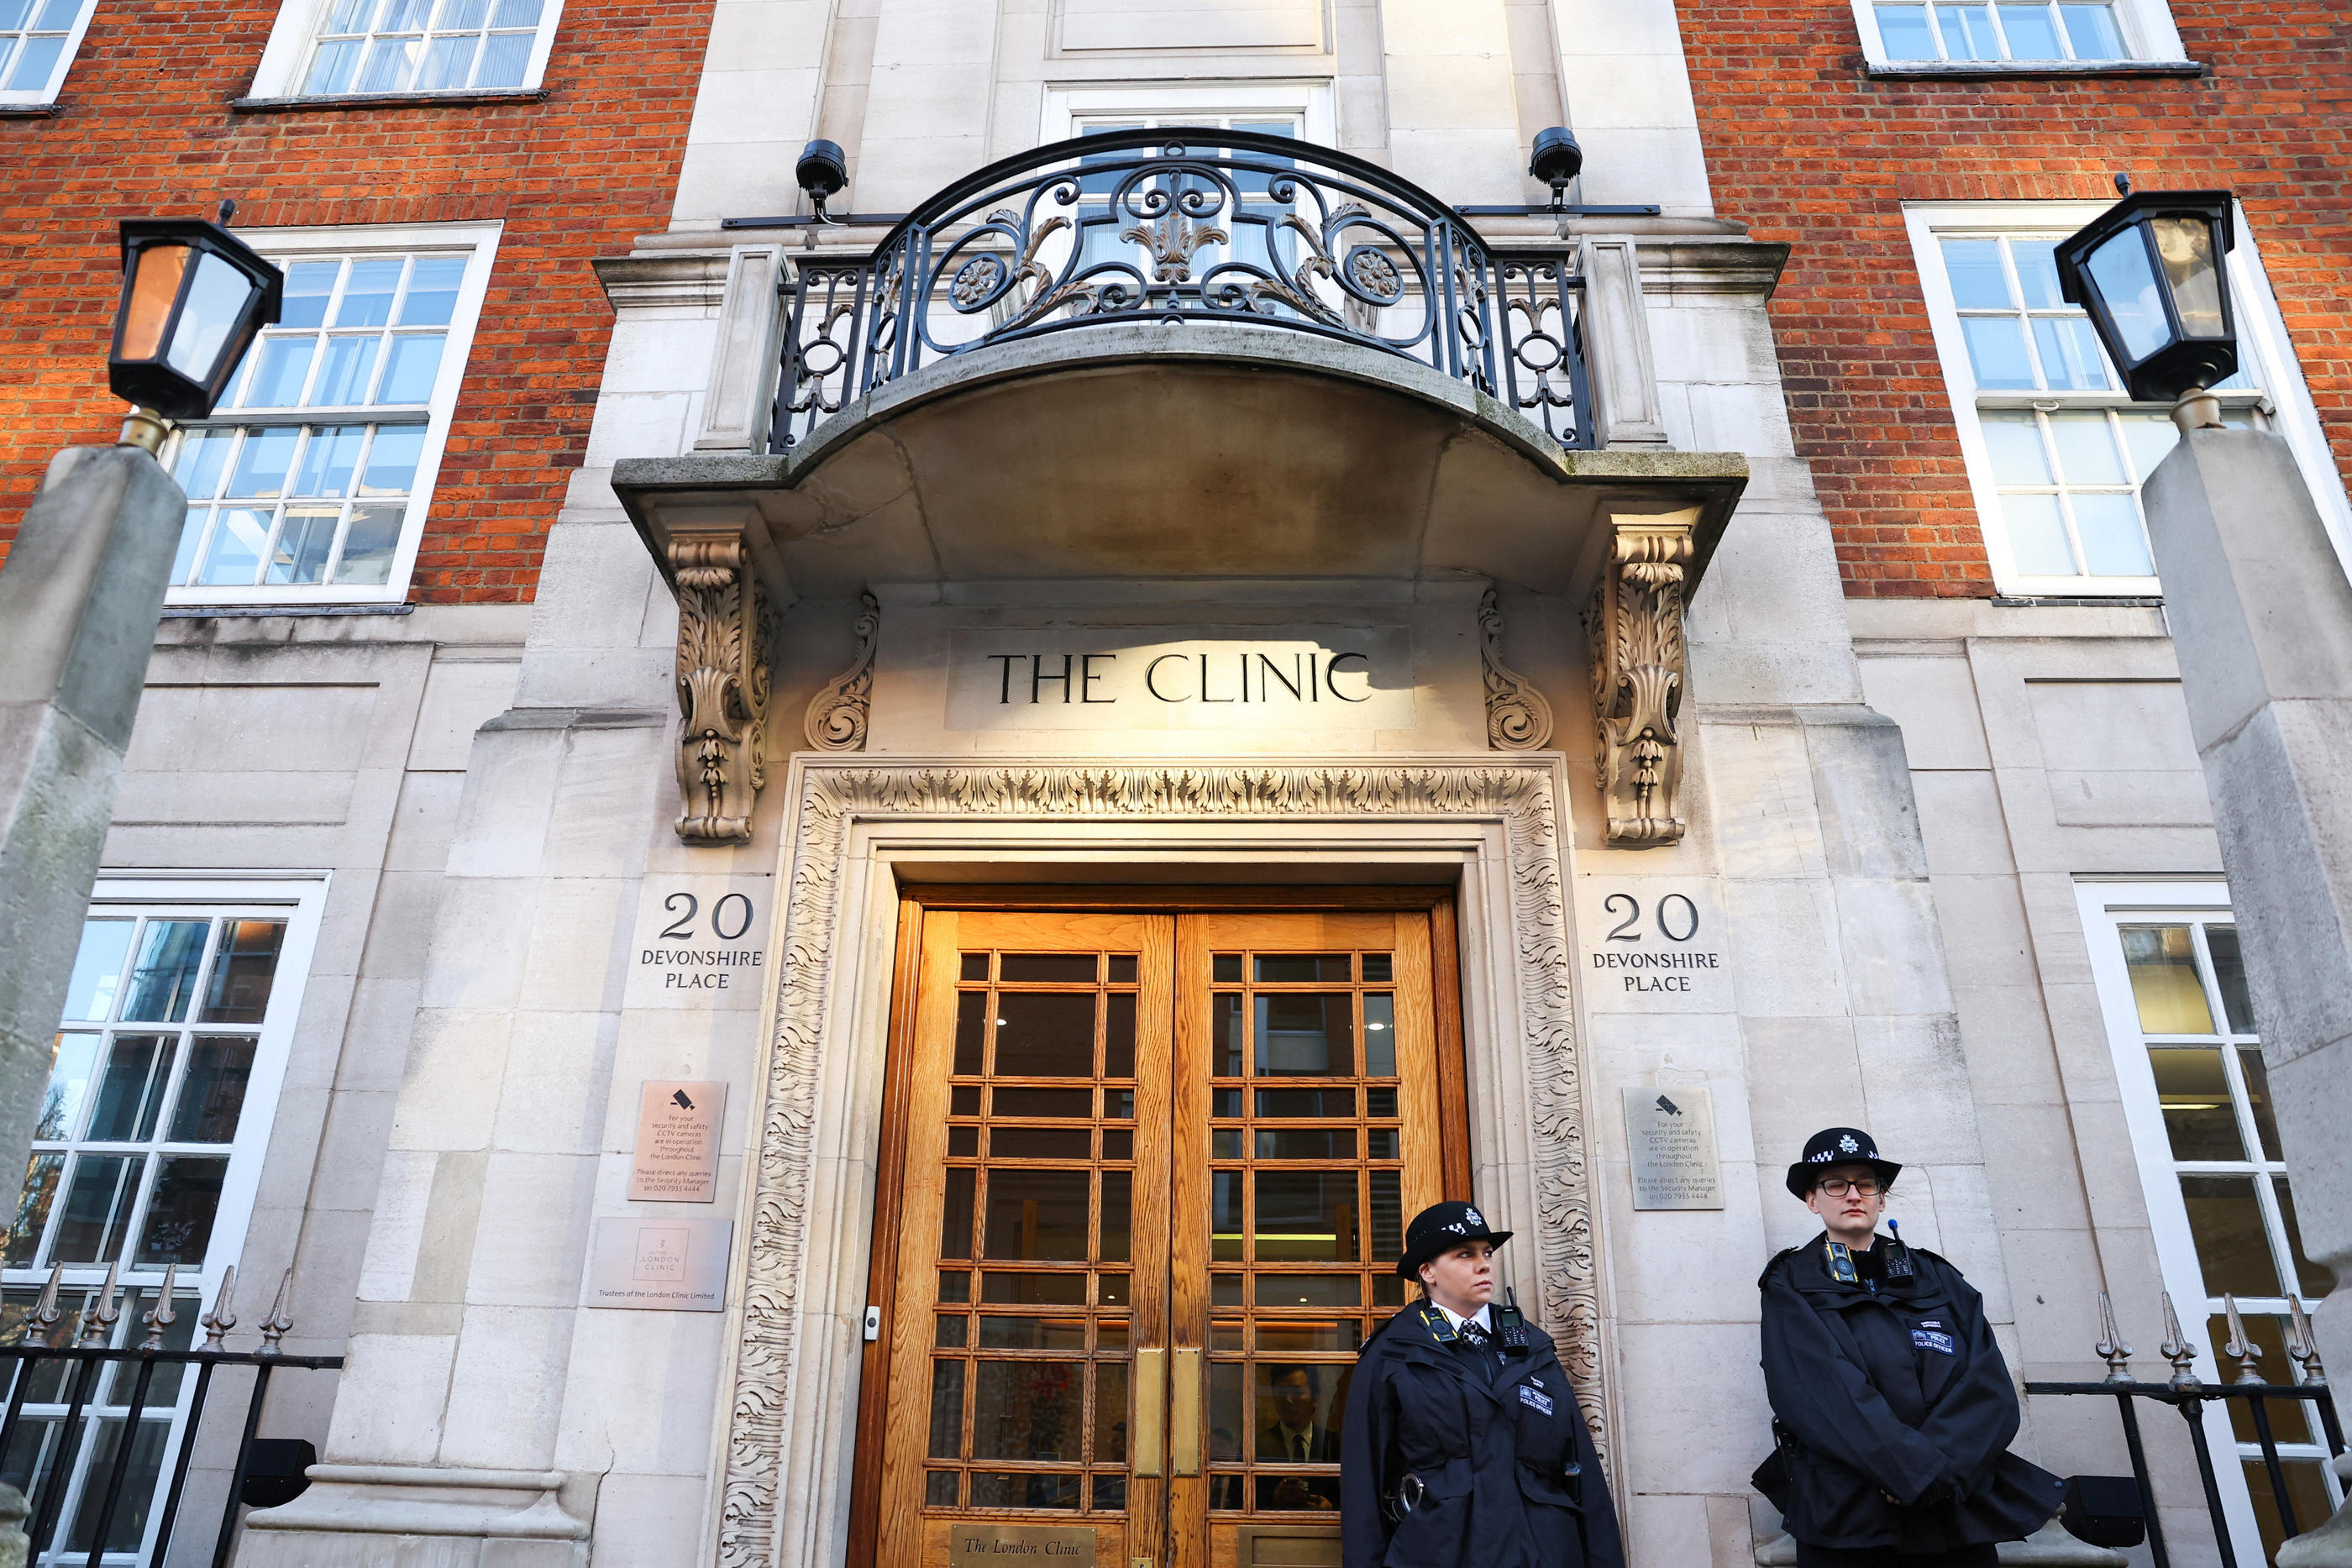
(1461, 1445)
(1891, 1407)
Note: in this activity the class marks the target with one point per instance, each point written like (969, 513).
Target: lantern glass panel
(153, 291)
(2185, 245)
(216, 300)
(2127, 284)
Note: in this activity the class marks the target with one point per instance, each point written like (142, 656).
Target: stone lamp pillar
(2260, 611)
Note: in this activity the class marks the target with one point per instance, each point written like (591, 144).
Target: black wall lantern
(194, 299)
(2150, 272)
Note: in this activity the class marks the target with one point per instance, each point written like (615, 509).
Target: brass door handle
(1184, 1411)
(1150, 1410)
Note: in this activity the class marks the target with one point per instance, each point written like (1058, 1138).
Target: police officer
(1461, 1445)
(1891, 1407)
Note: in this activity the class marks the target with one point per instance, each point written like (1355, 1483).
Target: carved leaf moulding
(837, 714)
(1519, 717)
(722, 688)
(1639, 672)
(1517, 793)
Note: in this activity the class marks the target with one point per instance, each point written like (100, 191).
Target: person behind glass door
(1461, 1445)
(1892, 1408)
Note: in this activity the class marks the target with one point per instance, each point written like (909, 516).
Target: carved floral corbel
(722, 688)
(1638, 670)
(1517, 716)
(836, 714)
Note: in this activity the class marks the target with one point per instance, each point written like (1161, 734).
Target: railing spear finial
(274, 1327)
(2111, 1347)
(161, 1316)
(42, 1321)
(220, 1320)
(2241, 1349)
(2302, 1348)
(99, 1312)
(2177, 1349)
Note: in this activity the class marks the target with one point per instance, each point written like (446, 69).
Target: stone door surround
(782, 1482)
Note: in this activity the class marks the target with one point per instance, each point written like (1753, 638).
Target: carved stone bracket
(1517, 716)
(722, 688)
(1638, 669)
(836, 714)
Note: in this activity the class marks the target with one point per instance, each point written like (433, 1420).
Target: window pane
(211, 1091)
(349, 366)
(1226, 1214)
(2150, 438)
(1110, 1412)
(1968, 32)
(308, 284)
(409, 371)
(1118, 1207)
(2164, 980)
(331, 70)
(304, 542)
(1978, 281)
(242, 972)
(2258, 1097)
(947, 1410)
(2037, 536)
(369, 544)
(234, 558)
(2229, 975)
(447, 63)
(129, 1525)
(1996, 352)
(389, 63)
(71, 1066)
(180, 1216)
(97, 971)
(2231, 1245)
(131, 1089)
(1388, 1211)
(504, 57)
(285, 364)
(263, 462)
(2092, 30)
(2198, 1113)
(2014, 442)
(955, 1212)
(1035, 1214)
(1028, 1410)
(2036, 261)
(432, 296)
(2032, 34)
(1904, 30)
(164, 979)
(2313, 1281)
(391, 461)
(1045, 1034)
(2070, 358)
(34, 63)
(1305, 1034)
(98, 1207)
(2113, 545)
(1118, 1032)
(515, 14)
(1380, 1037)
(329, 459)
(33, 1202)
(202, 458)
(1306, 1217)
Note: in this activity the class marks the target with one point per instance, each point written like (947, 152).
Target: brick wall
(1803, 147)
(144, 126)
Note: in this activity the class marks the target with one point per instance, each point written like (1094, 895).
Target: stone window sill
(217, 611)
(325, 105)
(2028, 70)
(29, 111)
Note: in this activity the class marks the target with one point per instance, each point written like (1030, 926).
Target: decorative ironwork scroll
(1518, 719)
(770, 1373)
(1638, 670)
(1186, 223)
(722, 688)
(836, 714)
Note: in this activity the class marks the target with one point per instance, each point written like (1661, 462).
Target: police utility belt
(1511, 1340)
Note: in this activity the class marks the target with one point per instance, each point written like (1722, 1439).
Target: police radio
(1510, 1325)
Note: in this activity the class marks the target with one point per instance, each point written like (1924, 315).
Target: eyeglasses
(1837, 1186)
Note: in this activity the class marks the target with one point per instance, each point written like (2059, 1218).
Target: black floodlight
(822, 173)
(2150, 272)
(1556, 159)
(194, 299)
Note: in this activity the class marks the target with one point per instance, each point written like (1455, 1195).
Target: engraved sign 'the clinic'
(1287, 678)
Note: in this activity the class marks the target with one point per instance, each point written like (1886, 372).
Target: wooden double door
(1149, 1176)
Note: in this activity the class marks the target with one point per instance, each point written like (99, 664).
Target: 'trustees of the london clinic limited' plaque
(1671, 1136)
(677, 1142)
(660, 1265)
(1065, 1546)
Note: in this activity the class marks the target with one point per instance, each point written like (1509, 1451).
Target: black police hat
(1441, 1227)
(1839, 1147)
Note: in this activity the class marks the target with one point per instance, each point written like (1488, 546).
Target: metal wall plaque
(659, 1265)
(678, 1142)
(1066, 1546)
(1670, 1134)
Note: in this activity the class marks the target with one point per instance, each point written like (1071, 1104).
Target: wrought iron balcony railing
(1186, 224)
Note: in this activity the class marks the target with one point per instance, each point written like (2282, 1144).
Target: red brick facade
(144, 126)
(1803, 146)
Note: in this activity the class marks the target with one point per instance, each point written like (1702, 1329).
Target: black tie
(1475, 1344)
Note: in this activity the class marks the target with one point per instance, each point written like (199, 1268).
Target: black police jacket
(1892, 1406)
(1499, 1475)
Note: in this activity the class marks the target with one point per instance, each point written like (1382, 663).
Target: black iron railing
(1186, 224)
(94, 1429)
(2188, 1394)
